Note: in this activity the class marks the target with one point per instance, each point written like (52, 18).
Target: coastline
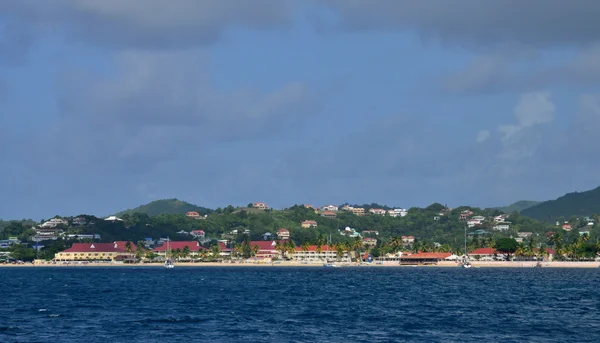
(478, 264)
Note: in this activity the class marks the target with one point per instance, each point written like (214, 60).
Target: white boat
(330, 265)
(168, 261)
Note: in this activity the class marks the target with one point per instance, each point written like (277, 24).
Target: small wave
(186, 319)
(53, 315)
(42, 310)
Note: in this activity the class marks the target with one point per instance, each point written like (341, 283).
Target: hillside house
(331, 208)
(283, 234)
(377, 211)
(260, 205)
(329, 214)
(406, 240)
(307, 224)
(397, 212)
(369, 242)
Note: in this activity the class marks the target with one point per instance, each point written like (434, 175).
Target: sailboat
(168, 260)
(465, 260)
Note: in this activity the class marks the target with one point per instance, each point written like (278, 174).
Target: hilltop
(518, 206)
(571, 204)
(166, 206)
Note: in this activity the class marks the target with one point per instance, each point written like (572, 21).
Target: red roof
(312, 222)
(223, 247)
(196, 232)
(192, 245)
(282, 230)
(193, 214)
(428, 255)
(329, 213)
(264, 245)
(122, 244)
(483, 251)
(97, 247)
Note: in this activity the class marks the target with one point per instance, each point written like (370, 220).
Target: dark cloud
(478, 22)
(152, 24)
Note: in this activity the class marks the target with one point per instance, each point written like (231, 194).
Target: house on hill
(329, 214)
(308, 224)
(283, 234)
(260, 205)
(331, 208)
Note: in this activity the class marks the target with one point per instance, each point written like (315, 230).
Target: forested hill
(572, 204)
(518, 206)
(166, 206)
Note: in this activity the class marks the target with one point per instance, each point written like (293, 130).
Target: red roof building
(94, 251)
(483, 251)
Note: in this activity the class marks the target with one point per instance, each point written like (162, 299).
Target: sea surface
(279, 304)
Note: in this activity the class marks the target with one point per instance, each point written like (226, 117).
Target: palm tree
(215, 251)
(339, 249)
(255, 250)
(185, 252)
(290, 248)
(140, 251)
(357, 247)
(177, 253)
(203, 254)
(395, 242)
(128, 249)
(319, 250)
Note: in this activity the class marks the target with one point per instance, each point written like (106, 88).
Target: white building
(54, 222)
(113, 219)
(501, 227)
(331, 208)
(397, 212)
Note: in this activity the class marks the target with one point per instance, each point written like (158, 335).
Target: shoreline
(444, 264)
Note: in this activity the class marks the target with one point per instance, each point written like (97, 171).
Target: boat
(330, 265)
(465, 260)
(168, 261)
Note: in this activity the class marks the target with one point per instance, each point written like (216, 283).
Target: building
(370, 232)
(260, 205)
(350, 232)
(113, 219)
(377, 211)
(198, 233)
(308, 224)
(331, 208)
(283, 234)
(464, 215)
(408, 240)
(501, 226)
(309, 206)
(474, 222)
(484, 254)
(47, 234)
(567, 227)
(82, 236)
(329, 214)
(525, 234)
(359, 211)
(194, 215)
(193, 246)
(425, 258)
(325, 253)
(54, 222)
(96, 252)
(397, 212)
(369, 242)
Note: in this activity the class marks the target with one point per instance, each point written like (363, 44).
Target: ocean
(280, 304)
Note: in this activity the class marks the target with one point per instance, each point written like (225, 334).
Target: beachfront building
(426, 258)
(483, 254)
(194, 248)
(308, 224)
(106, 252)
(326, 253)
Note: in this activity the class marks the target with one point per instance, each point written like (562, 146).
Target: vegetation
(166, 206)
(572, 204)
(518, 206)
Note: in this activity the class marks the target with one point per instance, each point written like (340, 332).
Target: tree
(507, 246)
(215, 251)
(185, 253)
(128, 249)
(22, 252)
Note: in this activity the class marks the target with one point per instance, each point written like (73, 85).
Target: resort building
(313, 254)
(283, 234)
(308, 224)
(426, 258)
(96, 252)
(359, 211)
(483, 254)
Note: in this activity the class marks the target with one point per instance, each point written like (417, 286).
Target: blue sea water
(79, 304)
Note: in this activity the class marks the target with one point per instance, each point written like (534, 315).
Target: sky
(109, 104)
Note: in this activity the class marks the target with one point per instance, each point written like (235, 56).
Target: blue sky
(106, 105)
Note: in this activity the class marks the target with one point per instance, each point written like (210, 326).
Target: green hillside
(572, 204)
(166, 206)
(518, 206)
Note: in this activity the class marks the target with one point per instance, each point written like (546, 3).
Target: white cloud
(533, 109)
(483, 136)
